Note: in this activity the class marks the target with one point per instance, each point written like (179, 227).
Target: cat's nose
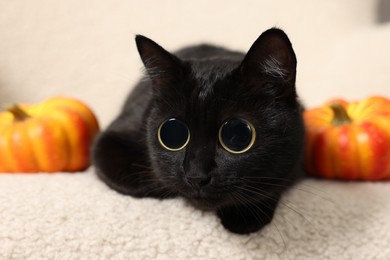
(198, 182)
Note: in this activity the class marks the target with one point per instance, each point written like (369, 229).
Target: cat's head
(226, 126)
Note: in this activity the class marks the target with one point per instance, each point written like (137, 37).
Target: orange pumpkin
(52, 136)
(349, 140)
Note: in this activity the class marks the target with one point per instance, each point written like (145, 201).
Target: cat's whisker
(247, 201)
(147, 178)
(295, 187)
(244, 201)
(135, 176)
(268, 177)
(139, 177)
(166, 191)
(267, 195)
(288, 181)
(142, 166)
(157, 180)
(328, 199)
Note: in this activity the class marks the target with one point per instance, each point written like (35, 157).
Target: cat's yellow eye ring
(237, 135)
(173, 135)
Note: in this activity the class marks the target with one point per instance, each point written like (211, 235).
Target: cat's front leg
(245, 219)
(121, 162)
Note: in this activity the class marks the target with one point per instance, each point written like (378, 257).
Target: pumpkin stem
(18, 113)
(340, 115)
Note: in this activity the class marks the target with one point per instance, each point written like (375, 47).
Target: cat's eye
(173, 134)
(237, 135)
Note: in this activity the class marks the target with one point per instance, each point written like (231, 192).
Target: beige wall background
(86, 48)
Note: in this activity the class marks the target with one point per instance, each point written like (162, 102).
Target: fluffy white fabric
(85, 49)
(75, 216)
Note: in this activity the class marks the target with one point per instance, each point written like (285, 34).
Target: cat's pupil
(173, 134)
(236, 135)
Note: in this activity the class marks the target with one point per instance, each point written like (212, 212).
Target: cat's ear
(271, 59)
(162, 67)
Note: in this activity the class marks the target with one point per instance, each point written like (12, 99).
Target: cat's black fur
(204, 86)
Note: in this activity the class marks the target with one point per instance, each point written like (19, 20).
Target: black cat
(220, 128)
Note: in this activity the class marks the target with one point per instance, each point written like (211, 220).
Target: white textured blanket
(68, 216)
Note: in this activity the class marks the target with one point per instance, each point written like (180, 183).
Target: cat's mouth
(210, 196)
(206, 203)
(205, 200)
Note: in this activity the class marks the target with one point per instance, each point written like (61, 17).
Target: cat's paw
(243, 220)
(241, 228)
(240, 225)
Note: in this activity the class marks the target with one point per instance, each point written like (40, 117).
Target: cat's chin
(205, 204)
(205, 201)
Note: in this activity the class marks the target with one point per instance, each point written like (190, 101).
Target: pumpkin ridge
(78, 136)
(64, 136)
(22, 151)
(9, 158)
